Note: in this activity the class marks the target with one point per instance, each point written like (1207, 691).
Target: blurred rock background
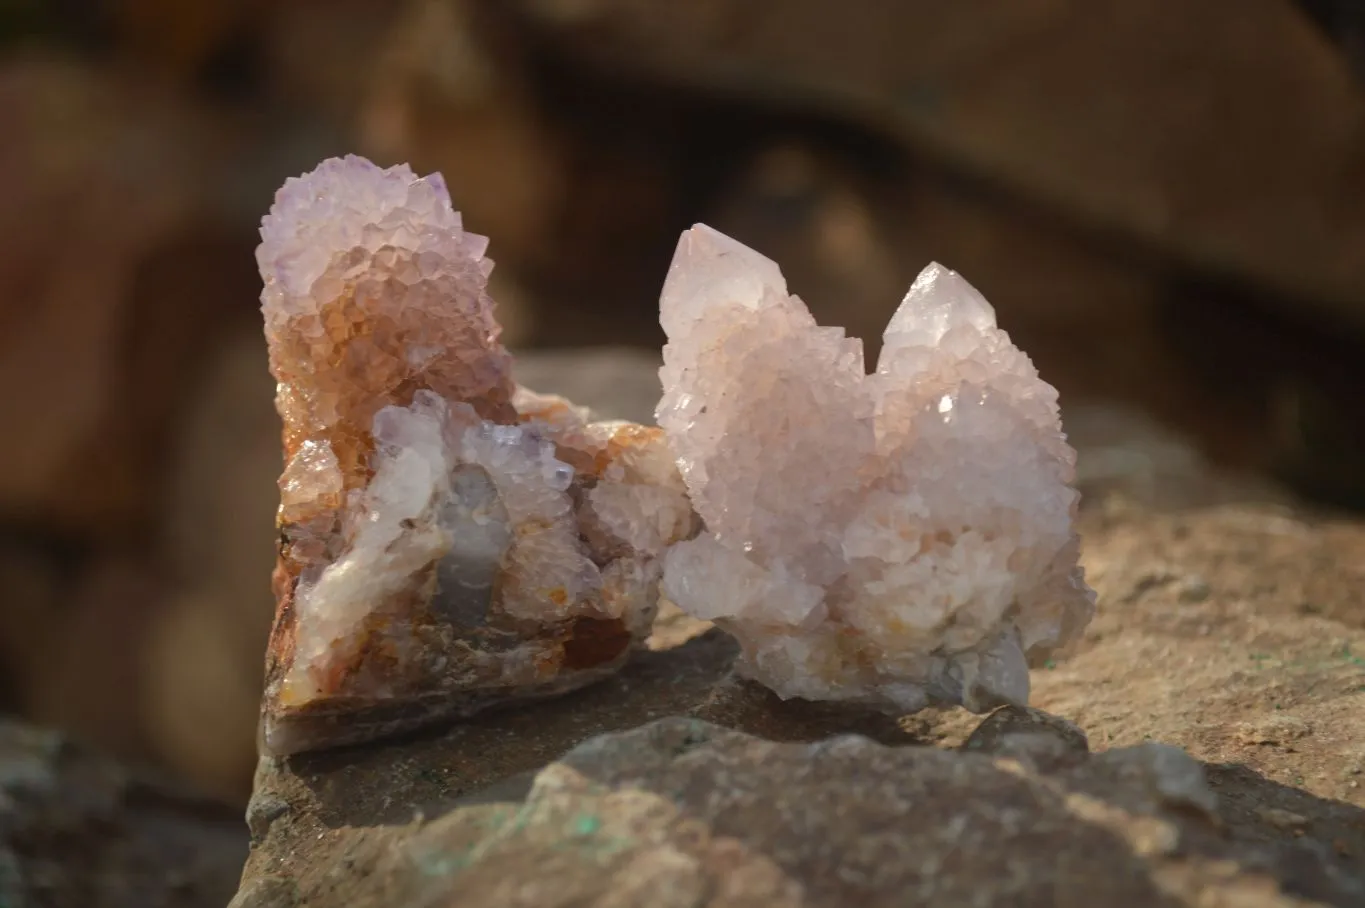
(1165, 203)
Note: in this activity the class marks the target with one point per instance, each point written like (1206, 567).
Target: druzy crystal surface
(447, 540)
(897, 538)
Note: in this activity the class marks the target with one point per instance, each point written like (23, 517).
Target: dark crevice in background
(1344, 22)
(231, 70)
(234, 70)
(1307, 380)
(64, 553)
(78, 25)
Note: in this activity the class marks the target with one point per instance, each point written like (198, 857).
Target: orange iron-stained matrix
(447, 541)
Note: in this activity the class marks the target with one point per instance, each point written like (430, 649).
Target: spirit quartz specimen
(896, 539)
(447, 541)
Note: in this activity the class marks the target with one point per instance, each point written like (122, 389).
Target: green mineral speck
(586, 825)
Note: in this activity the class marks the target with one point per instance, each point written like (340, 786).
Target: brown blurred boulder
(100, 330)
(117, 276)
(205, 652)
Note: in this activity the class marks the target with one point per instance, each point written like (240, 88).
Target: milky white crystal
(898, 538)
(447, 540)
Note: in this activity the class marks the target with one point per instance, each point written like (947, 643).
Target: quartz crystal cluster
(896, 538)
(447, 541)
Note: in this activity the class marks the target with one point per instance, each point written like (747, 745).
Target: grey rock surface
(681, 812)
(79, 831)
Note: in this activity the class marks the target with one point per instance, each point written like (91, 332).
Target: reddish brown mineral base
(567, 654)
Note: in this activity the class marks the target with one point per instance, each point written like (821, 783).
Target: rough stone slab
(682, 812)
(1209, 619)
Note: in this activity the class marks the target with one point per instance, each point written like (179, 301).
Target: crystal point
(712, 270)
(938, 300)
(897, 539)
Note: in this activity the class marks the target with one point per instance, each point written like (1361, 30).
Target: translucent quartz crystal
(447, 540)
(897, 539)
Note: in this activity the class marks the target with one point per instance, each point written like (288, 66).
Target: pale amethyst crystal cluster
(450, 541)
(447, 541)
(895, 538)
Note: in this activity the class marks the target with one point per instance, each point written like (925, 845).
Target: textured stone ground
(1231, 631)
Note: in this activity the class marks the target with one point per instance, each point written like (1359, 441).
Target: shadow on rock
(425, 774)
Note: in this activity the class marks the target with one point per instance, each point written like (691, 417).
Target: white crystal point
(897, 539)
(937, 301)
(710, 269)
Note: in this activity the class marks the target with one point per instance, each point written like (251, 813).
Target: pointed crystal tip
(711, 269)
(939, 299)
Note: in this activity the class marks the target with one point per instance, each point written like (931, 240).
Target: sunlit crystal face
(347, 204)
(898, 537)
